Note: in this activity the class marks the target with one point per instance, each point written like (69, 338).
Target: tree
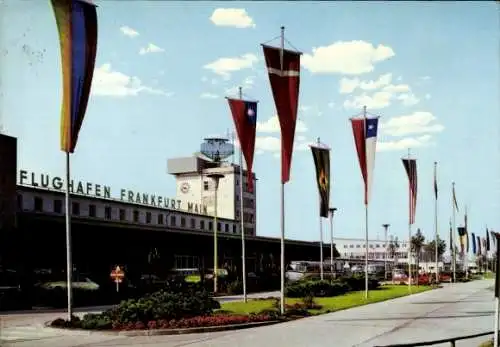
(430, 247)
(392, 249)
(417, 243)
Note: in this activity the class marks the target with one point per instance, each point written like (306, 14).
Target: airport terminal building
(125, 227)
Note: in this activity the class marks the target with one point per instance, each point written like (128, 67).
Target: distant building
(194, 184)
(355, 248)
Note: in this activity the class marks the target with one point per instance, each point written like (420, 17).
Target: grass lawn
(332, 304)
(489, 275)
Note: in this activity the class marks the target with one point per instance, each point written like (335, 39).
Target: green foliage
(431, 246)
(302, 289)
(235, 287)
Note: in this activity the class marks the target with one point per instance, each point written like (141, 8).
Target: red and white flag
(365, 137)
(411, 170)
(283, 67)
(245, 120)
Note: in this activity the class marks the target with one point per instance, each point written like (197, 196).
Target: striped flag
(455, 204)
(365, 137)
(410, 166)
(488, 245)
(77, 26)
(451, 237)
(435, 181)
(473, 238)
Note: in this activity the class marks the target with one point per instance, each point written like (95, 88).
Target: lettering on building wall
(102, 191)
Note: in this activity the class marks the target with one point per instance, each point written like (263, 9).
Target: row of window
(377, 245)
(375, 255)
(161, 218)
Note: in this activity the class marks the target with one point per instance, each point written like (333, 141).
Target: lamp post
(216, 178)
(386, 227)
(331, 211)
(217, 149)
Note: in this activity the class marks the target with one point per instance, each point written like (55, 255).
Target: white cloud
(377, 101)
(346, 57)
(397, 88)
(272, 125)
(208, 96)
(405, 143)
(427, 96)
(128, 31)
(107, 82)
(246, 84)
(425, 78)
(151, 48)
(225, 66)
(348, 85)
(416, 123)
(408, 99)
(232, 17)
(271, 144)
(331, 104)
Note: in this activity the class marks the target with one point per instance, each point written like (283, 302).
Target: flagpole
(332, 211)
(409, 227)
(366, 218)
(436, 253)
(282, 294)
(69, 262)
(242, 225)
(466, 252)
(453, 233)
(321, 271)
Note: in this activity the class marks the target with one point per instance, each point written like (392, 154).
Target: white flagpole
(69, 262)
(453, 233)
(282, 274)
(409, 225)
(242, 225)
(366, 218)
(322, 275)
(332, 211)
(436, 253)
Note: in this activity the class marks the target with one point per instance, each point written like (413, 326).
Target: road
(459, 309)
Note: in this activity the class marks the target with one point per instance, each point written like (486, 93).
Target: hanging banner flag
(451, 238)
(488, 245)
(462, 239)
(455, 203)
(410, 166)
(283, 67)
(483, 241)
(496, 236)
(435, 181)
(77, 26)
(365, 137)
(493, 238)
(473, 238)
(245, 120)
(479, 250)
(321, 156)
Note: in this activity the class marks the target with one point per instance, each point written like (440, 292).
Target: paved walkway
(459, 309)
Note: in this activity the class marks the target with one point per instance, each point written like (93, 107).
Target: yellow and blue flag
(77, 26)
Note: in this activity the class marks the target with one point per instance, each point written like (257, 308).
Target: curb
(158, 332)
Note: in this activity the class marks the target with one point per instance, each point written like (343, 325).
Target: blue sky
(431, 70)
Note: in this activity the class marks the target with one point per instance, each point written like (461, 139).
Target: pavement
(454, 310)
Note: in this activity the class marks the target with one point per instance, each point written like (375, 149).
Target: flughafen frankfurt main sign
(46, 181)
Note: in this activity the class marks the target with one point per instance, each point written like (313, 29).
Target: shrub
(316, 289)
(235, 287)
(96, 322)
(164, 305)
(357, 282)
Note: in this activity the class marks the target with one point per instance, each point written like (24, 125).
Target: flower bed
(195, 322)
(189, 306)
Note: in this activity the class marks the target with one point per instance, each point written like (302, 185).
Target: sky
(429, 69)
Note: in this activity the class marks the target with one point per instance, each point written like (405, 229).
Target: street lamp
(385, 226)
(216, 178)
(217, 149)
(331, 211)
